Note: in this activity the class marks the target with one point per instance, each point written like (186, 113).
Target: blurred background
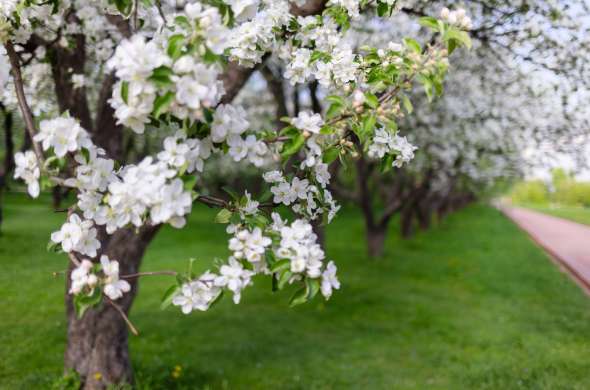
(440, 288)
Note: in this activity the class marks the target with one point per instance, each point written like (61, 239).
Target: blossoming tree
(84, 71)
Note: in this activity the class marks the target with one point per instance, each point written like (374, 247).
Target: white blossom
(307, 121)
(27, 169)
(113, 287)
(81, 277)
(234, 277)
(63, 135)
(77, 235)
(198, 294)
(329, 280)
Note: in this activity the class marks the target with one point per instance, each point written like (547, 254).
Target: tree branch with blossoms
(173, 78)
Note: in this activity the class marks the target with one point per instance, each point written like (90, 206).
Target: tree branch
(22, 100)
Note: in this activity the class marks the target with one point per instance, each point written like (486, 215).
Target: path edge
(555, 258)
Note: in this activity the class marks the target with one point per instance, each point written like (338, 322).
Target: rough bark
(107, 134)
(64, 63)
(275, 87)
(97, 346)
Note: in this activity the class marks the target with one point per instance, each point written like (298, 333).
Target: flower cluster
(305, 198)
(188, 154)
(457, 18)
(27, 169)
(77, 235)
(318, 51)
(296, 257)
(385, 143)
(252, 38)
(85, 278)
(63, 135)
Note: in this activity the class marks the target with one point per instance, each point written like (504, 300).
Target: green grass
(471, 304)
(573, 213)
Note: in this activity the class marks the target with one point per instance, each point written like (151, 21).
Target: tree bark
(97, 346)
(407, 222)
(376, 236)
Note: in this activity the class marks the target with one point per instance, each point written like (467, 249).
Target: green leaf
(189, 182)
(162, 103)
(175, 45)
(382, 9)
(407, 104)
(334, 110)
(183, 22)
(369, 122)
(280, 266)
(293, 145)
(223, 216)
(168, 296)
(299, 297)
(312, 286)
(412, 44)
(371, 100)
(54, 247)
(162, 76)
(84, 302)
(461, 37)
(429, 22)
(125, 91)
(284, 278)
(330, 155)
(387, 163)
(336, 99)
(123, 6)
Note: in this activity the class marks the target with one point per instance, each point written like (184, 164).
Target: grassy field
(471, 304)
(573, 213)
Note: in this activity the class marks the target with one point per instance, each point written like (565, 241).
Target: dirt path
(567, 242)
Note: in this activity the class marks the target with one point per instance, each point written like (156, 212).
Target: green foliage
(534, 191)
(83, 302)
(565, 191)
(472, 304)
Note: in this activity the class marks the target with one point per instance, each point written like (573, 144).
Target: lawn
(471, 304)
(573, 213)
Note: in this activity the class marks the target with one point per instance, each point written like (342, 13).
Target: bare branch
(22, 100)
(125, 318)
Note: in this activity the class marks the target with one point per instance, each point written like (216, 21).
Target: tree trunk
(424, 214)
(376, 241)
(407, 222)
(319, 231)
(97, 346)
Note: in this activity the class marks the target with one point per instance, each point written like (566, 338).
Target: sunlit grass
(471, 304)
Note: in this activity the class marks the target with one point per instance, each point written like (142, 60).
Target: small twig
(22, 100)
(74, 259)
(153, 273)
(136, 6)
(160, 11)
(213, 201)
(125, 318)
